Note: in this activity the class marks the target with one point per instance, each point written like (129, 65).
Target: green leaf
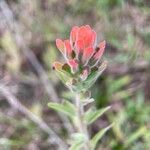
(87, 101)
(76, 146)
(66, 108)
(98, 136)
(93, 77)
(137, 134)
(78, 137)
(78, 140)
(63, 76)
(116, 85)
(91, 116)
(67, 95)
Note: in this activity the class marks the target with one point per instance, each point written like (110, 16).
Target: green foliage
(66, 108)
(76, 145)
(107, 4)
(142, 115)
(91, 79)
(116, 85)
(131, 135)
(98, 136)
(6, 143)
(77, 142)
(115, 89)
(135, 135)
(92, 115)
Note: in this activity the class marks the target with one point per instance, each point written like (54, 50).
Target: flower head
(82, 55)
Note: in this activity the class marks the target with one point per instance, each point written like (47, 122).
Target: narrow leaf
(63, 76)
(99, 135)
(76, 146)
(77, 141)
(66, 108)
(88, 101)
(116, 85)
(80, 137)
(137, 134)
(91, 116)
(69, 105)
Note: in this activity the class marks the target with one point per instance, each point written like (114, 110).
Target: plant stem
(81, 126)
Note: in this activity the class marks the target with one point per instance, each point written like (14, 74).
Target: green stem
(81, 126)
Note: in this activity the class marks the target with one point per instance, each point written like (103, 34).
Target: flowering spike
(80, 51)
(79, 73)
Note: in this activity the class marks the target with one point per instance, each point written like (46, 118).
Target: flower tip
(60, 45)
(59, 41)
(73, 34)
(104, 43)
(57, 66)
(88, 26)
(103, 66)
(100, 50)
(105, 62)
(68, 47)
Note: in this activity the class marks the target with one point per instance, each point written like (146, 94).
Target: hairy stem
(81, 126)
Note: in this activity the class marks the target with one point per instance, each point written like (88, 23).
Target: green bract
(74, 82)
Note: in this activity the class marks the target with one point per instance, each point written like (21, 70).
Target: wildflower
(82, 57)
(81, 69)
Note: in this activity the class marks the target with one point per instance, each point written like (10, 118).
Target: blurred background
(28, 29)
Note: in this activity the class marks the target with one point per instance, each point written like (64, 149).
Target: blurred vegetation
(125, 85)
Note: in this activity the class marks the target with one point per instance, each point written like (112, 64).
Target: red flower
(80, 50)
